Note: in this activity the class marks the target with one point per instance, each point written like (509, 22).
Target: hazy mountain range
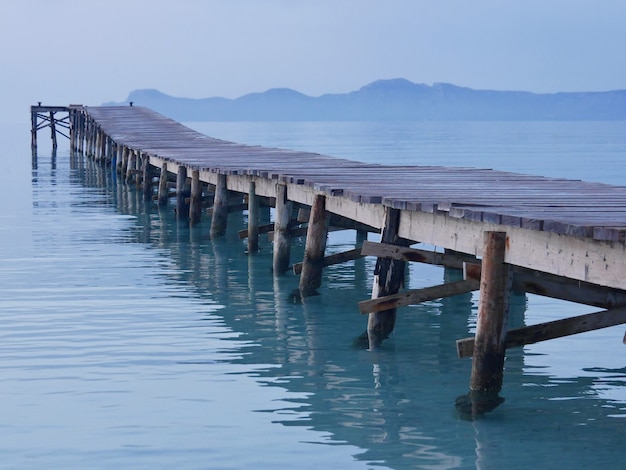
(384, 100)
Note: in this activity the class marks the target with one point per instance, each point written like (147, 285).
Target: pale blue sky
(70, 51)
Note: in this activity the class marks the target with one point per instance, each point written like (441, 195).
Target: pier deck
(550, 236)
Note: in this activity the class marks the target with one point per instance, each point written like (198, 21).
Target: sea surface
(128, 340)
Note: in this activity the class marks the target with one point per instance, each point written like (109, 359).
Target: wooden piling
(33, 133)
(491, 324)
(282, 235)
(81, 132)
(148, 171)
(317, 234)
(53, 130)
(219, 219)
(195, 201)
(182, 207)
(388, 279)
(130, 166)
(253, 219)
(162, 198)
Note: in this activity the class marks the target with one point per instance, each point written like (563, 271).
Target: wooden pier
(508, 232)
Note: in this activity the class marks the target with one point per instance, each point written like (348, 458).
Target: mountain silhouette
(385, 100)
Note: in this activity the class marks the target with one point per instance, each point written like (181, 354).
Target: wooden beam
(336, 258)
(553, 329)
(300, 231)
(231, 208)
(403, 253)
(417, 296)
(261, 229)
(524, 279)
(337, 221)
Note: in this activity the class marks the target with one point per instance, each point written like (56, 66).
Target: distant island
(389, 100)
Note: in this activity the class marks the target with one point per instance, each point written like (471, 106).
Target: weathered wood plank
(385, 250)
(551, 330)
(336, 258)
(417, 296)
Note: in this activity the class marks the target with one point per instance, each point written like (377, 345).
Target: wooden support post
(195, 201)
(81, 132)
(361, 236)
(33, 134)
(282, 234)
(163, 190)
(53, 130)
(119, 152)
(182, 207)
(388, 279)
(72, 123)
(148, 171)
(491, 324)
(317, 234)
(253, 219)
(219, 219)
(130, 166)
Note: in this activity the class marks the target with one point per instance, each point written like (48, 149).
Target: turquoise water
(130, 340)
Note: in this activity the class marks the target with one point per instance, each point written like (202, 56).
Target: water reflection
(396, 402)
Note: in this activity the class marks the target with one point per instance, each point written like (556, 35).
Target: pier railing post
(282, 235)
(219, 219)
(491, 324)
(316, 236)
(388, 280)
(253, 219)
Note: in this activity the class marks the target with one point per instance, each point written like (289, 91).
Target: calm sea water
(128, 340)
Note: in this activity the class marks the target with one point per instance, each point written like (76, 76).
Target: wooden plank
(385, 250)
(553, 329)
(417, 296)
(336, 258)
(261, 229)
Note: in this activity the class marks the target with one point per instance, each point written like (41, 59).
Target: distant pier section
(506, 232)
